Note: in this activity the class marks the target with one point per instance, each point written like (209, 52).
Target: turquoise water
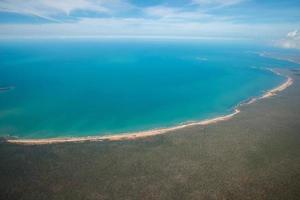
(96, 87)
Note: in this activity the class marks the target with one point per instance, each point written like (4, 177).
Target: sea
(94, 87)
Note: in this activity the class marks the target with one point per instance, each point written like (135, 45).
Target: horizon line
(126, 37)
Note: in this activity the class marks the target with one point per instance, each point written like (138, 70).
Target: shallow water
(95, 87)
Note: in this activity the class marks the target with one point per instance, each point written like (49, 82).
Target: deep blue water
(96, 87)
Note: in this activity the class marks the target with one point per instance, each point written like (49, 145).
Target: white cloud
(141, 27)
(293, 34)
(220, 3)
(54, 9)
(156, 21)
(49, 9)
(291, 41)
(161, 11)
(175, 13)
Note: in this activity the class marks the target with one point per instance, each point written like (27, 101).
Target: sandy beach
(130, 136)
(125, 136)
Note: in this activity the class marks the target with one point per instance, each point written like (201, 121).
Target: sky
(274, 21)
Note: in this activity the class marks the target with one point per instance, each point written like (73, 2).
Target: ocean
(87, 87)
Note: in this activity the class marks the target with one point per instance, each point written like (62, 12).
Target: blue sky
(269, 20)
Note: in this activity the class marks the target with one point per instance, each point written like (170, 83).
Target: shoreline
(278, 57)
(142, 134)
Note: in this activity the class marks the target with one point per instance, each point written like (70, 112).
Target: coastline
(142, 134)
(278, 57)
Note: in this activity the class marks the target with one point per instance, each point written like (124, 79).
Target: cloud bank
(54, 9)
(151, 18)
(219, 3)
(291, 41)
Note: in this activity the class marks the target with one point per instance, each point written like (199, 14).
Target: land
(253, 155)
(293, 58)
